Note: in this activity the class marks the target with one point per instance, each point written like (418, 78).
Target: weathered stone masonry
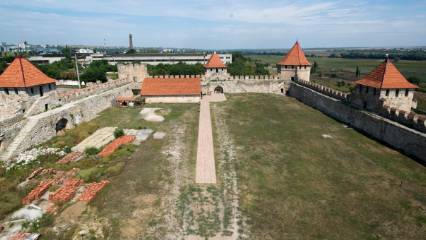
(40, 128)
(407, 140)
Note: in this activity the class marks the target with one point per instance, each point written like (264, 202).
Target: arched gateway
(218, 89)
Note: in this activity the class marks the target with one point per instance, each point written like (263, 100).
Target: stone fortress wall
(401, 130)
(75, 107)
(409, 119)
(403, 138)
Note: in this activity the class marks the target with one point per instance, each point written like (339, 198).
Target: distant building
(21, 78)
(385, 85)
(295, 65)
(155, 59)
(85, 51)
(215, 67)
(45, 59)
(171, 90)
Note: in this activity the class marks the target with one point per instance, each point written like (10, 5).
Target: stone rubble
(141, 135)
(70, 157)
(159, 135)
(31, 155)
(149, 114)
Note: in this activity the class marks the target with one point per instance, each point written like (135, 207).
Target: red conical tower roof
(215, 62)
(386, 76)
(22, 73)
(295, 57)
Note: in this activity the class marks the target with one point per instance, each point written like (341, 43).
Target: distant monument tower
(130, 41)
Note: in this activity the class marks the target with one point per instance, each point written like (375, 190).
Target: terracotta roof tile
(295, 57)
(22, 73)
(171, 86)
(386, 76)
(215, 62)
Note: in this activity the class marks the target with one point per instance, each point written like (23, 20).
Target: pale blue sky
(217, 24)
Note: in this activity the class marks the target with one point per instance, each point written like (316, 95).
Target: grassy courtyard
(142, 178)
(303, 175)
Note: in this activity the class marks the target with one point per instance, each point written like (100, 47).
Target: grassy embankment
(303, 175)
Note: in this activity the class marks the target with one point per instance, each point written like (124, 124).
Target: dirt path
(235, 226)
(205, 169)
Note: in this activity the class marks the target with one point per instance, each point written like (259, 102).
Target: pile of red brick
(25, 236)
(67, 192)
(62, 176)
(70, 157)
(114, 145)
(91, 190)
(37, 192)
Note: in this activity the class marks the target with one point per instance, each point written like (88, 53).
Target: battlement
(324, 90)
(409, 119)
(255, 77)
(90, 89)
(176, 76)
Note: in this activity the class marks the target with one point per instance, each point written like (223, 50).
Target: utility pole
(78, 73)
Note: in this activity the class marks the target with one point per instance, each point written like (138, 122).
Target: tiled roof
(22, 73)
(387, 76)
(295, 57)
(215, 62)
(171, 86)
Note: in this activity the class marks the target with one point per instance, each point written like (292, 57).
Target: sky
(216, 24)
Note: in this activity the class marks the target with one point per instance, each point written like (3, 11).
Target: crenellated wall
(409, 119)
(246, 84)
(405, 139)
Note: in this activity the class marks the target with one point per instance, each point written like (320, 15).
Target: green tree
(357, 72)
(97, 71)
(314, 67)
(67, 52)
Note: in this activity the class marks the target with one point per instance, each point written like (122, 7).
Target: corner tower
(385, 85)
(295, 65)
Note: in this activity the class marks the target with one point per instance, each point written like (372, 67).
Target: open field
(408, 68)
(303, 175)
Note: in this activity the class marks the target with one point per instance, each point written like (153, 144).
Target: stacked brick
(70, 157)
(67, 192)
(114, 145)
(37, 192)
(91, 190)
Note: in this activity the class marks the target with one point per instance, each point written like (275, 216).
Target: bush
(67, 149)
(118, 132)
(92, 151)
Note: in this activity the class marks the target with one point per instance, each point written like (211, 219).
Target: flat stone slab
(98, 139)
(149, 114)
(159, 135)
(141, 135)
